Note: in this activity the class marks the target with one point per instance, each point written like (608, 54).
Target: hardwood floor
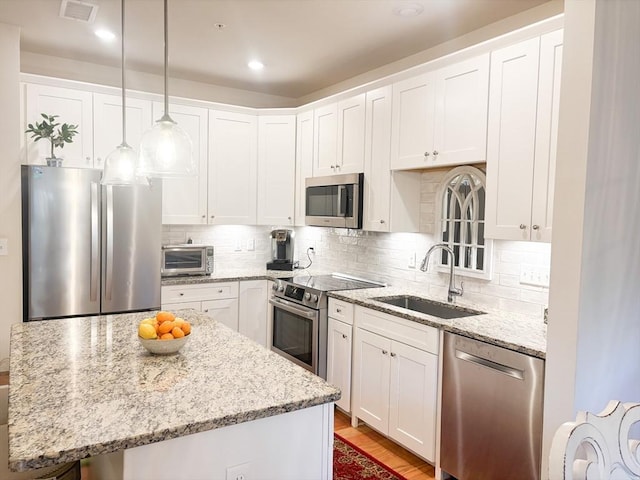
(383, 449)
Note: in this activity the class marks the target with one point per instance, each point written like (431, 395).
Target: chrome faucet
(452, 281)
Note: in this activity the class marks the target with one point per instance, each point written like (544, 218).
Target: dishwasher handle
(510, 371)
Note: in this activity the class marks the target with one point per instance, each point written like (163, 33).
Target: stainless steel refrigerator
(88, 249)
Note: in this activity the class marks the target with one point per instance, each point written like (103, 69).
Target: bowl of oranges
(163, 334)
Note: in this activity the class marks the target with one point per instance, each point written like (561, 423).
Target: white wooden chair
(598, 447)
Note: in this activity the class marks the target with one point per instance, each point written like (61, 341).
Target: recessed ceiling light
(105, 35)
(255, 65)
(408, 10)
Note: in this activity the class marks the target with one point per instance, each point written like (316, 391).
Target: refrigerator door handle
(109, 249)
(95, 246)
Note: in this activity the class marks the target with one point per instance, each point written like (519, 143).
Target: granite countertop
(239, 274)
(85, 386)
(516, 332)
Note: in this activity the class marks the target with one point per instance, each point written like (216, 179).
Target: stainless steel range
(299, 325)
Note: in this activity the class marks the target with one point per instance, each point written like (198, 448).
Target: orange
(166, 336)
(178, 322)
(186, 328)
(165, 327)
(165, 317)
(177, 332)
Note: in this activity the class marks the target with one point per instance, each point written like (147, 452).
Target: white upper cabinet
(338, 145)
(377, 151)
(440, 117)
(184, 199)
(304, 162)
(351, 123)
(276, 169)
(233, 164)
(325, 137)
(107, 124)
(74, 107)
(523, 113)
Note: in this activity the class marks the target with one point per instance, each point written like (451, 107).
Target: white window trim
(487, 273)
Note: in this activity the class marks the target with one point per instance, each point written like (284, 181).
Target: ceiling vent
(78, 10)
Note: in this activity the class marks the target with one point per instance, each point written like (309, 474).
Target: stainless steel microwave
(186, 259)
(334, 201)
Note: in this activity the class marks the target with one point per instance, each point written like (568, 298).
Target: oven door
(295, 333)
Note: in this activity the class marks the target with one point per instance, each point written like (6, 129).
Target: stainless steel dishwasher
(491, 412)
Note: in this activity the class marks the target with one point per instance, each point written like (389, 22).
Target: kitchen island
(85, 387)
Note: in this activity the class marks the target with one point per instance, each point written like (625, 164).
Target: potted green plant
(47, 129)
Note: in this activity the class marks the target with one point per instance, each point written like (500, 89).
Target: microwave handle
(342, 190)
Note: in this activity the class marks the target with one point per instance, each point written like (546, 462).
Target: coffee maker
(282, 250)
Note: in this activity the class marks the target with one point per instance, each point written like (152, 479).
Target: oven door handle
(292, 308)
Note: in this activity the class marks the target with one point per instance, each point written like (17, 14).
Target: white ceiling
(306, 45)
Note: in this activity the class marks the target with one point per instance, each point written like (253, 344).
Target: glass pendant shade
(166, 151)
(120, 166)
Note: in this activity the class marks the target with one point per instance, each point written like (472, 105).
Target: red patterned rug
(352, 463)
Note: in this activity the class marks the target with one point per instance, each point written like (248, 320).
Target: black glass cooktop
(328, 283)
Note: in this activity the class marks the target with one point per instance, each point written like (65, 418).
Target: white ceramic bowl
(163, 347)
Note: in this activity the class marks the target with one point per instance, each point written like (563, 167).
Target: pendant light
(166, 150)
(120, 165)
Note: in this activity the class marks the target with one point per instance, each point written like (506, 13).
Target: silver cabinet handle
(206, 310)
(426, 154)
(220, 290)
(536, 227)
(522, 226)
(204, 216)
(384, 352)
(88, 159)
(213, 216)
(338, 310)
(393, 354)
(435, 153)
(344, 336)
(381, 221)
(99, 160)
(181, 294)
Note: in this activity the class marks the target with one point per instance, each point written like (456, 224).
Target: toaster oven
(187, 259)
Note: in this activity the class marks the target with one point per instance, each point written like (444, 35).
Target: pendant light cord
(166, 59)
(124, 101)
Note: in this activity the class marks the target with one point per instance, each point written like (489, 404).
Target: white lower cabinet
(395, 379)
(339, 342)
(218, 300)
(253, 313)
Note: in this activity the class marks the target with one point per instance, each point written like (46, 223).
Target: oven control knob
(307, 296)
(281, 288)
(274, 286)
(314, 298)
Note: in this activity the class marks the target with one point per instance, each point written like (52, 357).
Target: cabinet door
(73, 107)
(377, 176)
(351, 123)
(371, 382)
(184, 199)
(252, 314)
(233, 163)
(460, 126)
(107, 122)
(413, 393)
(339, 360)
(511, 140)
(544, 170)
(412, 122)
(224, 311)
(325, 149)
(304, 161)
(276, 169)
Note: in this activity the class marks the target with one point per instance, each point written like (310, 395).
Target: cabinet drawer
(341, 310)
(172, 307)
(411, 333)
(200, 292)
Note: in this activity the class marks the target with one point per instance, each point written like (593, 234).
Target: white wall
(593, 352)
(10, 220)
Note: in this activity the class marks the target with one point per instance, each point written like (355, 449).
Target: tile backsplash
(384, 256)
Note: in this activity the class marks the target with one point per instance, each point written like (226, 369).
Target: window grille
(461, 210)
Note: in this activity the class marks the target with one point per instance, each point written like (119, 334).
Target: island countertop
(85, 386)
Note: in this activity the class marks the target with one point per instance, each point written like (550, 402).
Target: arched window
(461, 198)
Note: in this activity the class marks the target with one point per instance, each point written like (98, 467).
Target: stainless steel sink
(429, 307)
